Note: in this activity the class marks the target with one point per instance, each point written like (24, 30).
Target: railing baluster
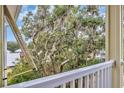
(101, 78)
(97, 80)
(99, 75)
(104, 77)
(87, 81)
(110, 77)
(122, 73)
(92, 81)
(63, 85)
(107, 77)
(80, 82)
(72, 84)
(83, 82)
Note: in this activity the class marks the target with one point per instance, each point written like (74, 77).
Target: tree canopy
(12, 46)
(64, 37)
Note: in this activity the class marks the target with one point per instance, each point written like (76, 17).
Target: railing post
(114, 42)
(72, 84)
(86, 81)
(63, 85)
(80, 82)
(97, 79)
(101, 78)
(1, 44)
(106, 78)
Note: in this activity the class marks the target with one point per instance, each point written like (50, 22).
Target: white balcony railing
(95, 76)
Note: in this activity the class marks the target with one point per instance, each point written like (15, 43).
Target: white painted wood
(1, 44)
(80, 82)
(72, 84)
(87, 81)
(107, 77)
(5, 55)
(101, 78)
(104, 78)
(62, 78)
(114, 42)
(92, 81)
(63, 85)
(122, 72)
(110, 78)
(97, 79)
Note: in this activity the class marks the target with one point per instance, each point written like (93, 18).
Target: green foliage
(59, 10)
(63, 38)
(20, 68)
(91, 22)
(12, 46)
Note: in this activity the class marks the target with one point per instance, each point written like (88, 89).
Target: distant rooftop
(12, 58)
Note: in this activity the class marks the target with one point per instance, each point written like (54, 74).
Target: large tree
(64, 37)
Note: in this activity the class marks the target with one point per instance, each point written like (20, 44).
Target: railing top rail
(58, 79)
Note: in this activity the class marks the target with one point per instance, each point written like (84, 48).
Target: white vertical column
(92, 82)
(107, 77)
(97, 80)
(63, 85)
(111, 77)
(114, 41)
(101, 79)
(80, 82)
(5, 55)
(72, 84)
(1, 44)
(86, 85)
(104, 78)
(122, 74)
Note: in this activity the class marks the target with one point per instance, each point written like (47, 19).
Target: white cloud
(25, 9)
(22, 14)
(20, 27)
(102, 14)
(35, 10)
(51, 8)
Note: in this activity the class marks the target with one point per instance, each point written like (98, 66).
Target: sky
(25, 9)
